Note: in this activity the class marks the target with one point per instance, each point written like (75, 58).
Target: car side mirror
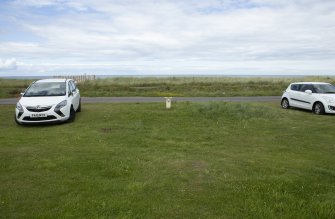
(21, 94)
(70, 93)
(308, 91)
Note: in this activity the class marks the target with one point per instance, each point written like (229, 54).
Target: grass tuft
(235, 112)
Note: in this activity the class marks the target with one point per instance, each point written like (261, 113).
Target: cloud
(175, 35)
(8, 64)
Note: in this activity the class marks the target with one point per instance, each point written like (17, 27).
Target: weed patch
(235, 111)
(172, 86)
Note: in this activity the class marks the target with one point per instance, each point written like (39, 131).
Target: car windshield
(324, 88)
(46, 89)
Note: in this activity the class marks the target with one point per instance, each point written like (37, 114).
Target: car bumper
(330, 109)
(49, 116)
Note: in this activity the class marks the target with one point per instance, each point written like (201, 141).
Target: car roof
(51, 80)
(310, 83)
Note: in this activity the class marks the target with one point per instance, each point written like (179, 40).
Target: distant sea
(167, 76)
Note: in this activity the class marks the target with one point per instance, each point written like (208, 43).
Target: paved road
(12, 101)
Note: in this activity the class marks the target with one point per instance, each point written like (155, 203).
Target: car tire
(72, 115)
(318, 108)
(285, 104)
(79, 107)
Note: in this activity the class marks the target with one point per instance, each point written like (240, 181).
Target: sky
(167, 37)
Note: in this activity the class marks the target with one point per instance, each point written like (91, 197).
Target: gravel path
(12, 101)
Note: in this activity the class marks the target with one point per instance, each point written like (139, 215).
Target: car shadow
(46, 124)
(308, 111)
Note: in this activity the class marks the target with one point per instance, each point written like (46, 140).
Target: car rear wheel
(285, 104)
(319, 109)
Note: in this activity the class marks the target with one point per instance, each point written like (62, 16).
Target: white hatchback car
(316, 96)
(48, 100)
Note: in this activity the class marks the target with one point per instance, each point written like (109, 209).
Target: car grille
(27, 118)
(38, 108)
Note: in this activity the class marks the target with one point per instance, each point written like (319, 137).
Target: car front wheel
(72, 115)
(79, 107)
(319, 109)
(285, 104)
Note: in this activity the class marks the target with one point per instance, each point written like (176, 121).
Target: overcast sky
(49, 37)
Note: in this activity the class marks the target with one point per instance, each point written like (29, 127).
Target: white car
(48, 100)
(316, 96)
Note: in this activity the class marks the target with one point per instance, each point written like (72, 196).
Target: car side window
(73, 87)
(69, 88)
(295, 87)
(305, 87)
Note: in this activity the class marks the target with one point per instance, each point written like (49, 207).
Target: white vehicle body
(316, 96)
(48, 100)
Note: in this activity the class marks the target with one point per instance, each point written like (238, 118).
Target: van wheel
(72, 115)
(318, 108)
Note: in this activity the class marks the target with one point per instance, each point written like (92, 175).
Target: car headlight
(60, 106)
(329, 99)
(19, 107)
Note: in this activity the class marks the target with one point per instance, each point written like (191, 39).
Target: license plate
(38, 115)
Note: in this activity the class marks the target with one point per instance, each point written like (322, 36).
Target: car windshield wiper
(330, 92)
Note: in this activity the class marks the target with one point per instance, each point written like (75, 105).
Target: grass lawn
(198, 160)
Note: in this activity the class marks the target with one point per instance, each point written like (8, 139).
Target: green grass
(172, 86)
(197, 160)
(12, 87)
